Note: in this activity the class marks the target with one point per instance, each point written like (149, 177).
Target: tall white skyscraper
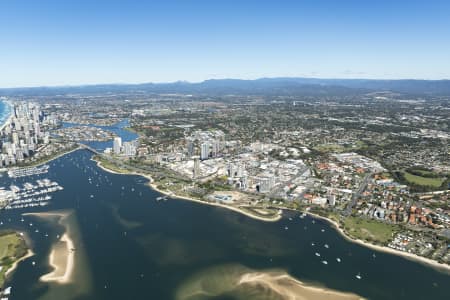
(117, 145)
(204, 153)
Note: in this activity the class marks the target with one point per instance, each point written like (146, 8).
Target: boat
(323, 230)
(7, 291)
(286, 228)
(159, 198)
(317, 254)
(338, 259)
(358, 276)
(324, 262)
(326, 246)
(312, 244)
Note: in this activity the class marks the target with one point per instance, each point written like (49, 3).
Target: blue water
(117, 128)
(5, 110)
(130, 246)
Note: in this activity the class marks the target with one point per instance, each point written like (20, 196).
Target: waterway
(130, 246)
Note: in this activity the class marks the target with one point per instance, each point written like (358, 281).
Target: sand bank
(287, 287)
(62, 254)
(62, 260)
(243, 283)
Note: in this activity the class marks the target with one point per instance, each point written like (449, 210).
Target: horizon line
(211, 79)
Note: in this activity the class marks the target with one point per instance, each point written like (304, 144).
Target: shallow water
(139, 248)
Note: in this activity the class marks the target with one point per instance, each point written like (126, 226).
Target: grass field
(12, 247)
(329, 148)
(434, 182)
(369, 229)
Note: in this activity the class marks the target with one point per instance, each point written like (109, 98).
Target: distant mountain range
(264, 86)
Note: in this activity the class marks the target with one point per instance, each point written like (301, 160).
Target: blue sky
(70, 42)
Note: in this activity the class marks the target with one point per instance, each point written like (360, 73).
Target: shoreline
(416, 258)
(9, 118)
(68, 252)
(14, 266)
(315, 292)
(153, 187)
(65, 278)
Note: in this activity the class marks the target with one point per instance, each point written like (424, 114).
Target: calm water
(138, 248)
(129, 246)
(117, 128)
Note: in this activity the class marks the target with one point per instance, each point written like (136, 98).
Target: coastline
(9, 118)
(51, 158)
(153, 186)
(295, 286)
(66, 276)
(416, 258)
(16, 263)
(61, 260)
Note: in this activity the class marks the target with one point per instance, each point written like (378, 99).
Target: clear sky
(70, 42)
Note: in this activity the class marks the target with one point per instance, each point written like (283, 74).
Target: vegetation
(369, 230)
(420, 180)
(12, 247)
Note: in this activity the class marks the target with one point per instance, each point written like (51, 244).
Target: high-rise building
(129, 149)
(117, 145)
(204, 151)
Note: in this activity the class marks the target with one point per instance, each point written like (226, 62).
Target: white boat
(324, 262)
(326, 246)
(7, 291)
(358, 276)
(338, 259)
(323, 230)
(312, 244)
(317, 254)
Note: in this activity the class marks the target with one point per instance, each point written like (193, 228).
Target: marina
(30, 195)
(28, 171)
(141, 236)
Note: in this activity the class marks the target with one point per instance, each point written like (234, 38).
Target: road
(357, 194)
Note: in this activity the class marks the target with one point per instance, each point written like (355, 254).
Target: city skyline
(76, 43)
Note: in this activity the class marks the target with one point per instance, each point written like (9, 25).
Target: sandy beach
(288, 287)
(62, 255)
(240, 282)
(62, 260)
(423, 260)
(7, 120)
(153, 186)
(16, 263)
(426, 261)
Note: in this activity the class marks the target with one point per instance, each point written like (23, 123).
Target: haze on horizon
(49, 42)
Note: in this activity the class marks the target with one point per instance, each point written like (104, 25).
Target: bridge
(89, 148)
